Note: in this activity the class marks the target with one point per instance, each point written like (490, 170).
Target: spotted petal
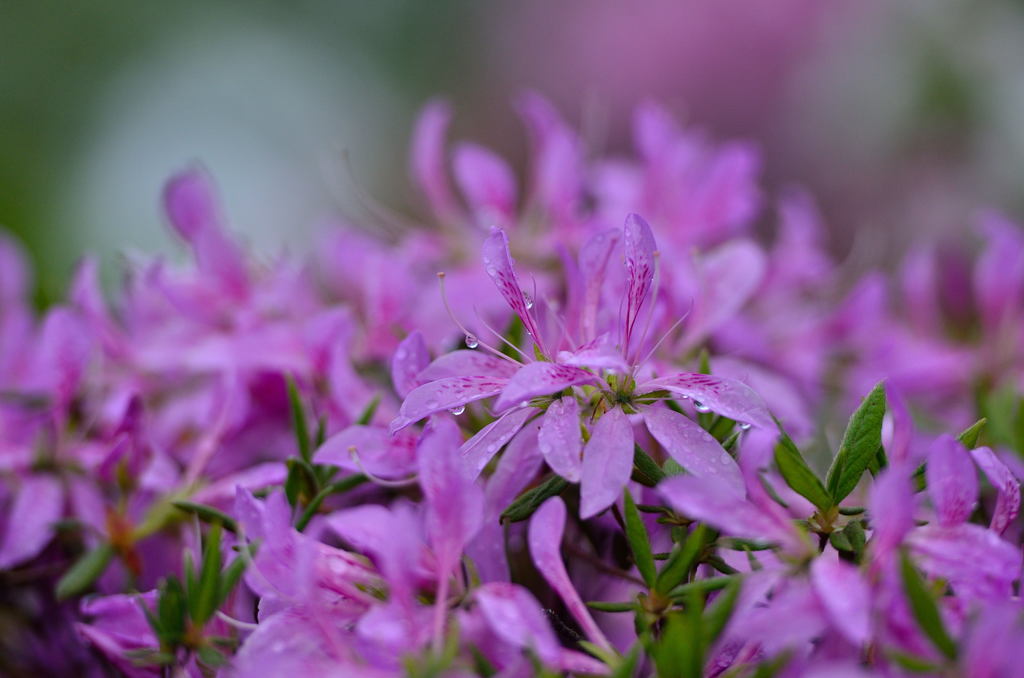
(467, 363)
(444, 394)
(537, 379)
(639, 245)
(728, 397)
(498, 265)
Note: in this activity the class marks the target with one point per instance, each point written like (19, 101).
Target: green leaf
(170, 610)
(339, 487)
(299, 424)
(211, 657)
(229, 579)
(84, 572)
(367, 415)
(678, 653)
(639, 541)
(969, 436)
(799, 476)
(603, 606)
(925, 609)
(627, 667)
(860, 444)
(204, 603)
(702, 585)
(645, 470)
(681, 561)
(208, 514)
(528, 502)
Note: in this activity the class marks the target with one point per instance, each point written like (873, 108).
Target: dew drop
(472, 341)
(744, 426)
(458, 410)
(701, 407)
(529, 301)
(724, 459)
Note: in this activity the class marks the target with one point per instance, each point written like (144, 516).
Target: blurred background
(901, 117)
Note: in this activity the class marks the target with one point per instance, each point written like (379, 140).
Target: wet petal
(383, 455)
(695, 449)
(728, 397)
(560, 439)
(499, 267)
(466, 363)
(638, 243)
(537, 379)
(607, 463)
(444, 394)
(479, 449)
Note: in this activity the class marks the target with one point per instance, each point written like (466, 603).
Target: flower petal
(846, 597)
(537, 379)
(973, 559)
(486, 180)
(499, 267)
(479, 449)
(695, 449)
(517, 618)
(410, 358)
(545, 540)
(29, 522)
(426, 161)
(638, 243)
(454, 502)
(1008, 489)
(444, 394)
(560, 439)
(384, 455)
(466, 363)
(728, 397)
(607, 463)
(952, 481)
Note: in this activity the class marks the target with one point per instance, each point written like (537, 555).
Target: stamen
(237, 623)
(467, 333)
(669, 331)
(498, 334)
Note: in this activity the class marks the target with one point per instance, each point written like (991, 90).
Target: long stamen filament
(451, 314)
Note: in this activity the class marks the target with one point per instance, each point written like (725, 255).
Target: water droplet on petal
(744, 426)
(472, 341)
(701, 407)
(724, 459)
(529, 300)
(458, 410)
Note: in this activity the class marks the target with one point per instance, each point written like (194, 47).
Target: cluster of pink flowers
(575, 428)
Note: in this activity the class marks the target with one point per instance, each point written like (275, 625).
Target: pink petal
(846, 597)
(427, 164)
(728, 397)
(1008, 489)
(999, 272)
(638, 243)
(191, 205)
(891, 509)
(898, 447)
(537, 379)
(466, 363)
(485, 179)
(545, 540)
(444, 394)
(560, 439)
(454, 502)
(411, 357)
(597, 355)
(952, 481)
(593, 257)
(973, 559)
(29, 522)
(499, 267)
(384, 455)
(695, 449)
(479, 449)
(607, 463)
(515, 616)
(729, 276)
(716, 503)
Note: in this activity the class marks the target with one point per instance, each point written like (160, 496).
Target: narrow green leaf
(682, 560)
(860, 444)
(367, 415)
(925, 609)
(528, 502)
(840, 542)
(627, 667)
(639, 541)
(851, 510)
(170, 610)
(702, 585)
(677, 653)
(798, 475)
(211, 657)
(645, 470)
(339, 487)
(204, 603)
(229, 579)
(208, 514)
(299, 425)
(604, 606)
(84, 572)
